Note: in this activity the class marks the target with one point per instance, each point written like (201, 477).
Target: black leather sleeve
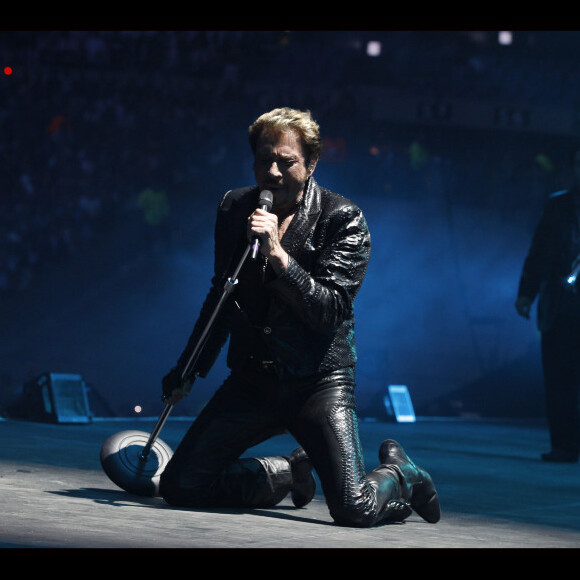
(324, 298)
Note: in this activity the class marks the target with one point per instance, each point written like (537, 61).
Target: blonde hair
(285, 118)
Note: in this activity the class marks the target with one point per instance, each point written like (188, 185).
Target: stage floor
(495, 493)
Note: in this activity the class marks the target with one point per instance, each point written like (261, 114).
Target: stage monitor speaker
(55, 398)
(398, 404)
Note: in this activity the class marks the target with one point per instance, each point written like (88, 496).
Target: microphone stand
(185, 375)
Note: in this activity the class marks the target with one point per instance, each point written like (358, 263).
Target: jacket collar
(305, 218)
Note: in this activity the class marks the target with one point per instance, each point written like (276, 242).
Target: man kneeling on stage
(292, 355)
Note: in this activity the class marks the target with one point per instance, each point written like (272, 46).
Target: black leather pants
(206, 469)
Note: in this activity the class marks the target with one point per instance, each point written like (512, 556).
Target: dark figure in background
(552, 258)
(291, 353)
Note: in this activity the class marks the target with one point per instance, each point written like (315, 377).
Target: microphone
(265, 202)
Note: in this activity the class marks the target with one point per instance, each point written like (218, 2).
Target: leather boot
(389, 483)
(303, 482)
(420, 489)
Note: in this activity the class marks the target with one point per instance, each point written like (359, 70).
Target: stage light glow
(7, 70)
(138, 408)
(505, 37)
(374, 48)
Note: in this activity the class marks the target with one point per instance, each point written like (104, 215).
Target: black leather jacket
(303, 321)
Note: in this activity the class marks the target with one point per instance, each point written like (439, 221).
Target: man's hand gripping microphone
(265, 203)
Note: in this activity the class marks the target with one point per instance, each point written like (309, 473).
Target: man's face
(280, 166)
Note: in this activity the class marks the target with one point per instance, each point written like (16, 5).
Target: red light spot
(7, 70)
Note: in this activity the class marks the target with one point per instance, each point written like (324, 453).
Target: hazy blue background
(449, 142)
